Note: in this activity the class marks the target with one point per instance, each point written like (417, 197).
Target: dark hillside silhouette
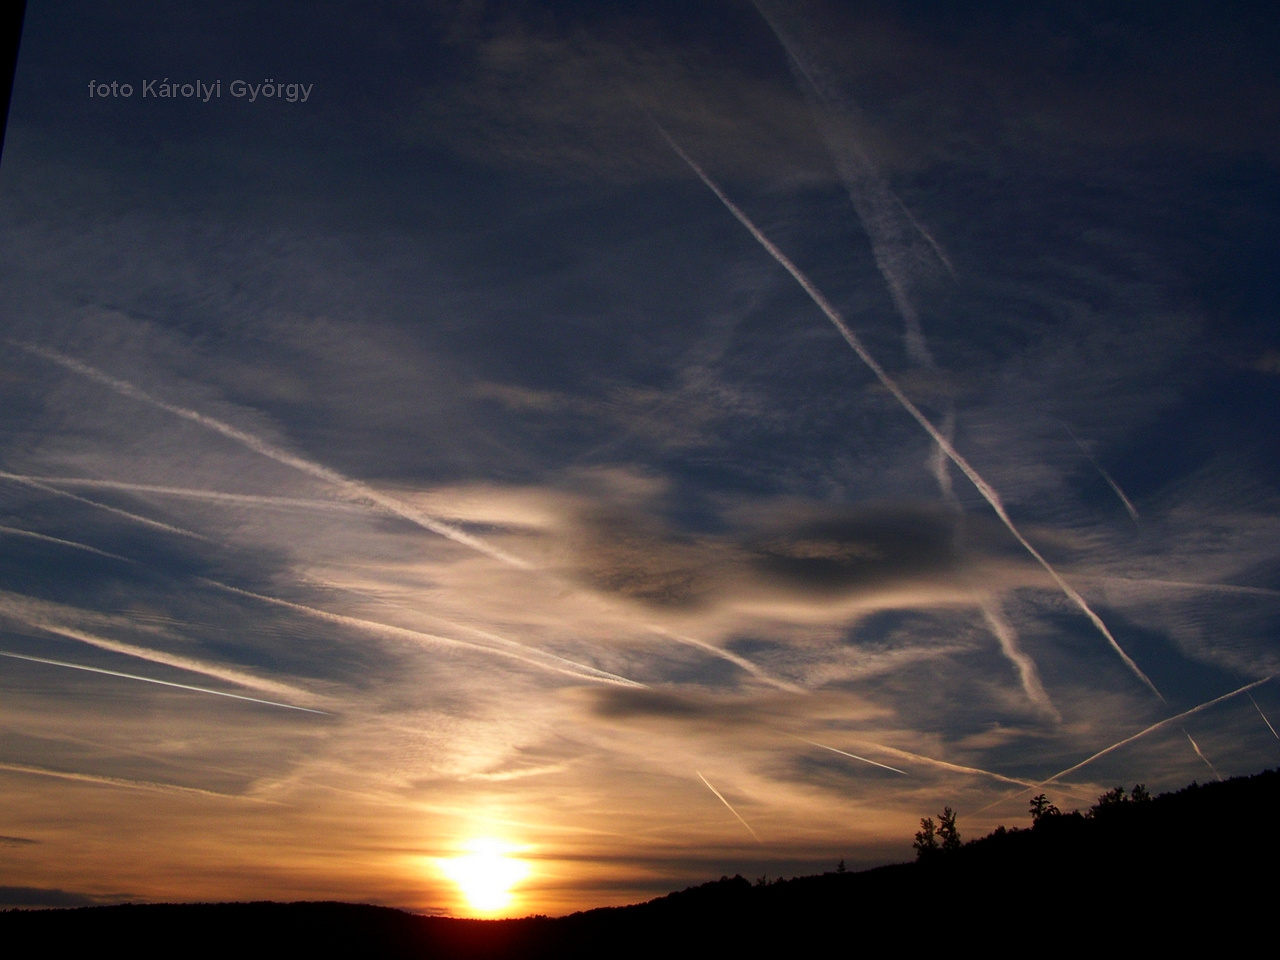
(1194, 867)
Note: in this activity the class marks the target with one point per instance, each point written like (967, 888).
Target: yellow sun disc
(486, 875)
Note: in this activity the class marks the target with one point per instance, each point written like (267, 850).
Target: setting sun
(485, 875)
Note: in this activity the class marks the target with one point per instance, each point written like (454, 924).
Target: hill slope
(1196, 866)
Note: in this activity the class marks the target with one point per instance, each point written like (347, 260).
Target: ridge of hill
(1190, 867)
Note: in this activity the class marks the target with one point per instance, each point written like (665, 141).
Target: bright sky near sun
(485, 875)
(578, 451)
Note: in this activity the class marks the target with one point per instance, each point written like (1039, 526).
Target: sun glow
(486, 875)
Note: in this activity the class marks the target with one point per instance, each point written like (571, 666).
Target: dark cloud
(638, 558)
(626, 704)
(629, 704)
(44, 897)
(813, 553)
(861, 550)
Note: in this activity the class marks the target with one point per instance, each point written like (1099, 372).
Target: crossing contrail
(163, 683)
(17, 608)
(728, 655)
(890, 226)
(852, 756)
(892, 230)
(517, 651)
(146, 521)
(1151, 729)
(353, 488)
(985, 489)
(730, 806)
(213, 496)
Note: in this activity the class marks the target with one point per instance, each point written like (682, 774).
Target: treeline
(944, 836)
(1135, 872)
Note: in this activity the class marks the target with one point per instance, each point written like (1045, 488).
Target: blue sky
(456, 408)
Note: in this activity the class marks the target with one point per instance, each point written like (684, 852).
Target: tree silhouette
(1110, 803)
(1041, 808)
(1112, 798)
(947, 829)
(926, 839)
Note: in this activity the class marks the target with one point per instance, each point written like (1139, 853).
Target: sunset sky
(596, 448)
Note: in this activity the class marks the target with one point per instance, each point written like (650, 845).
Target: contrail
(728, 655)
(1026, 667)
(147, 521)
(18, 532)
(940, 467)
(1264, 717)
(937, 248)
(1184, 585)
(730, 806)
(881, 211)
(1151, 729)
(943, 764)
(353, 488)
(128, 784)
(853, 756)
(1128, 504)
(877, 206)
(595, 672)
(531, 656)
(1199, 753)
(215, 496)
(21, 611)
(988, 492)
(163, 683)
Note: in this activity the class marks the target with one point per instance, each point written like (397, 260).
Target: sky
(607, 447)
